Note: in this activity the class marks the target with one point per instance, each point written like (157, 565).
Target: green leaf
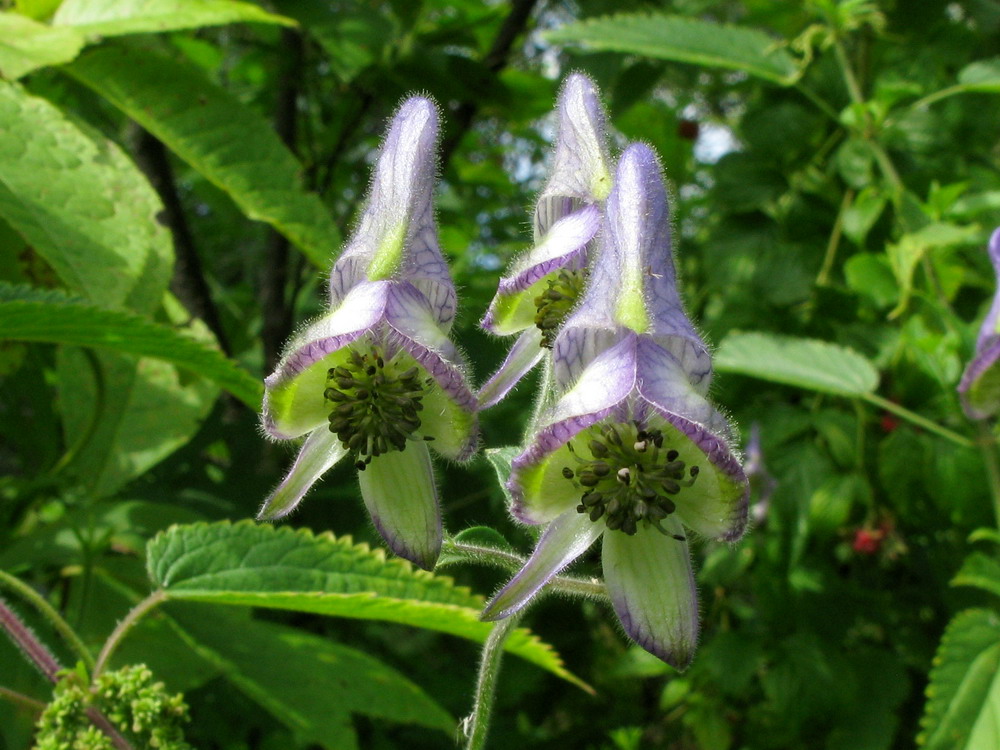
(206, 126)
(805, 363)
(27, 45)
(911, 248)
(500, 459)
(103, 18)
(309, 683)
(963, 697)
(983, 75)
(282, 568)
(979, 570)
(121, 417)
(28, 314)
(684, 40)
(81, 204)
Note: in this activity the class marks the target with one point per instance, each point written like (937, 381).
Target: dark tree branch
(275, 305)
(188, 282)
(495, 61)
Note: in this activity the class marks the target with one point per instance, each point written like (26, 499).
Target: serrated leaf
(979, 570)
(28, 314)
(82, 205)
(283, 568)
(805, 363)
(26, 45)
(685, 40)
(115, 17)
(309, 683)
(963, 697)
(206, 126)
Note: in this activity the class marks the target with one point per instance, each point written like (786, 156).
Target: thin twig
(133, 616)
(22, 700)
(36, 651)
(477, 725)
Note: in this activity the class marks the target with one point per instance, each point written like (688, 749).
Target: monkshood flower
(544, 285)
(377, 379)
(632, 450)
(979, 388)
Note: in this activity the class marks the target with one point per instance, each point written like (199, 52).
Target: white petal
(649, 579)
(318, 454)
(399, 492)
(564, 540)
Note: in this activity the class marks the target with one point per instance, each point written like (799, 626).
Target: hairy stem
(823, 278)
(571, 585)
(46, 610)
(114, 640)
(476, 726)
(36, 651)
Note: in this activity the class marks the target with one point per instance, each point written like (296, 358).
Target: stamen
(554, 304)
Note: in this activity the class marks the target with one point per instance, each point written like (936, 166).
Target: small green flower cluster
(142, 710)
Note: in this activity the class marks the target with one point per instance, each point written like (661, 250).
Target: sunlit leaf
(27, 45)
(805, 363)
(114, 17)
(684, 40)
(283, 568)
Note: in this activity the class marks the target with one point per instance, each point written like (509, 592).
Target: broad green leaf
(283, 568)
(82, 204)
(40, 10)
(309, 683)
(27, 45)
(983, 75)
(963, 697)
(28, 314)
(805, 363)
(114, 17)
(206, 126)
(684, 40)
(979, 570)
(912, 247)
(121, 416)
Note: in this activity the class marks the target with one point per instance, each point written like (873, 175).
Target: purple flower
(979, 389)
(377, 378)
(632, 450)
(543, 285)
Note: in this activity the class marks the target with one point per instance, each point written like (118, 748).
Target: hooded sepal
(649, 580)
(401, 496)
(396, 236)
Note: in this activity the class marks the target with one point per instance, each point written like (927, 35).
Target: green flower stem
(114, 640)
(22, 700)
(902, 411)
(988, 447)
(477, 725)
(823, 278)
(572, 585)
(46, 610)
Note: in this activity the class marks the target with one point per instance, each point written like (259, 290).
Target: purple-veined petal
(449, 414)
(396, 234)
(580, 162)
(565, 246)
(564, 540)
(320, 451)
(979, 389)
(717, 504)
(652, 589)
(293, 395)
(523, 356)
(400, 494)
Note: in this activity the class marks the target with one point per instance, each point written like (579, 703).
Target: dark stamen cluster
(375, 408)
(630, 478)
(554, 304)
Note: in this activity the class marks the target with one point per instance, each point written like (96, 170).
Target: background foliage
(175, 176)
